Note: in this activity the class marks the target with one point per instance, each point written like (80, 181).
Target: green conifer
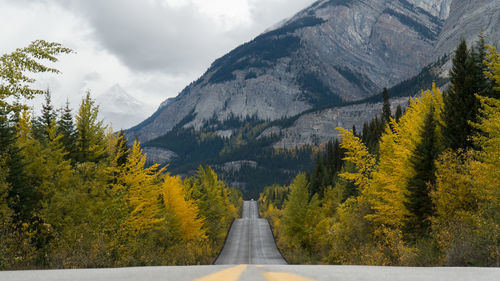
(418, 200)
(43, 122)
(66, 128)
(399, 113)
(318, 178)
(90, 142)
(386, 107)
(460, 103)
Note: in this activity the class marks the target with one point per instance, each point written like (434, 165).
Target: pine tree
(43, 122)
(386, 108)
(418, 200)
(479, 55)
(318, 179)
(123, 148)
(399, 113)
(7, 132)
(66, 128)
(334, 157)
(461, 104)
(90, 143)
(19, 193)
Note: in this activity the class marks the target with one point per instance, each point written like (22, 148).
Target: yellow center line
(230, 274)
(284, 276)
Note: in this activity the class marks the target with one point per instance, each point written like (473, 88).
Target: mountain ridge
(293, 68)
(290, 86)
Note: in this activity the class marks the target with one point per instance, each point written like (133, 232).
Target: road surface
(250, 240)
(250, 254)
(259, 273)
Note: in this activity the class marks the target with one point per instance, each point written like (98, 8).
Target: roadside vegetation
(417, 188)
(74, 194)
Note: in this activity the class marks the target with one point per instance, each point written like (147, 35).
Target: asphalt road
(250, 254)
(259, 273)
(250, 240)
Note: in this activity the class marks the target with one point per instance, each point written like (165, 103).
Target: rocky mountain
(324, 67)
(466, 20)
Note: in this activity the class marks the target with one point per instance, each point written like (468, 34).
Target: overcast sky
(151, 48)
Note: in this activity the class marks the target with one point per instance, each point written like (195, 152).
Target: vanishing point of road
(250, 253)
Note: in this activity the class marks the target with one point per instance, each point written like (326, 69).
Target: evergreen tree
(386, 107)
(318, 178)
(372, 132)
(90, 143)
(460, 103)
(479, 55)
(122, 148)
(418, 200)
(44, 122)
(66, 128)
(7, 132)
(334, 157)
(399, 113)
(20, 193)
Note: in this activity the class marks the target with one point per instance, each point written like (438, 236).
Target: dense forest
(203, 146)
(415, 188)
(74, 194)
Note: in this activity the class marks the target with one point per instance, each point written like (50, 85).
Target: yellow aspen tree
(358, 154)
(467, 193)
(493, 64)
(184, 210)
(386, 192)
(46, 167)
(486, 172)
(142, 192)
(211, 197)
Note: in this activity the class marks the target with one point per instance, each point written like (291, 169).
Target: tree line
(74, 194)
(417, 188)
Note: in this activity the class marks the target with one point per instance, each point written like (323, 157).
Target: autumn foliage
(421, 199)
(75, 194)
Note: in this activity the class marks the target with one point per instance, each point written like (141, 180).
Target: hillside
(291, 86)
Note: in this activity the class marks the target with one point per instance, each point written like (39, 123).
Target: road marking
(230, 274)
(284, 276)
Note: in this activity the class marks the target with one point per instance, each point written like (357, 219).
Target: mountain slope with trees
(424, 195)
(322, 68)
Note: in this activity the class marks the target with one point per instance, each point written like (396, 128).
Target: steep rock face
(332, 52)
(438, 8)
(319, 127)
(467, 18)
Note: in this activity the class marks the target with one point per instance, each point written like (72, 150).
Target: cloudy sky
(149, 48)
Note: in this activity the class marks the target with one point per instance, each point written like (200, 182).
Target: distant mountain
(120, 109)
(290, 86)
